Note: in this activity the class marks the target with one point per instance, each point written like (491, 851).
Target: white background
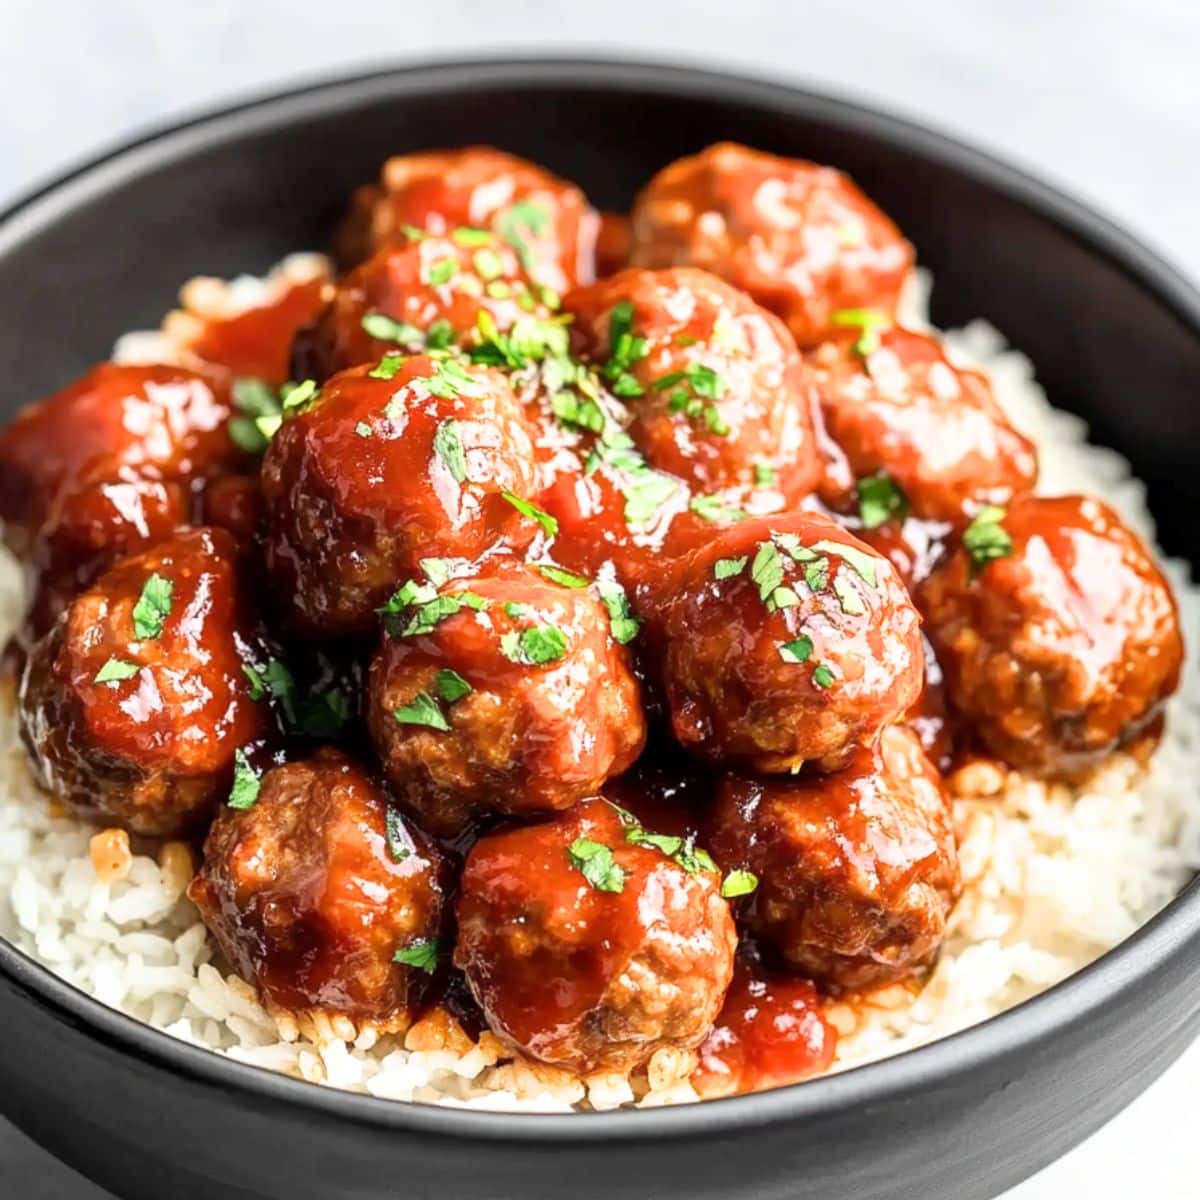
(1102, 96)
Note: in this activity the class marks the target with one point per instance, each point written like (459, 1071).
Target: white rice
(1054, 876)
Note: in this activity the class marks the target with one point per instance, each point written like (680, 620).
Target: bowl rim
(1017, 1031)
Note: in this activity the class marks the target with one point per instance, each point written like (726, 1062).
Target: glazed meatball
(1057, 634)
(718, 394)
(428, 290)
(801, 239)
(588, 951)
(857, 871)
(388, 465)
(134, 704)
(314, 889)
(545, 219)
(788, 641)
(520, 701)
(115, 424)
(896, 406)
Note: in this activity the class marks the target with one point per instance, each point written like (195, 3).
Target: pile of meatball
(595, 603)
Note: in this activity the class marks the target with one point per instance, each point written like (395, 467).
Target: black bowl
(1115, 334)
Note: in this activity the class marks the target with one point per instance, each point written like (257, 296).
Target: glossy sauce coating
(529, 736)
(379, 473)
(422, 282)
(769, 1033)
(152, 748)
(585, 978)
(311, 892)
(785, 660)
(547, 219)
(857, 871)
(800, 239)
(1063, 649)
(718, 395)
(895, 404)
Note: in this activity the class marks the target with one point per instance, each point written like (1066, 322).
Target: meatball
(857, 871)
(425, 290)
(320, 896)
(135, 704)
(1057, 635)
(115, 424)
(545, 219)
(391, 464)
(588, 951)
(801, 239)
(788, 640)
(896, 406)
(521, 700)
(718, 394)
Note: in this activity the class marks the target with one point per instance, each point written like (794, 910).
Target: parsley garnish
(738, 883)
(262, 411)
(422, 954)
(767, 572)
(868, 322)
(258, 687)
(556, 574)
(544, 519)
(714, 509)
(468, 235)
(452, 686)
(116, 670)
(851, 602)
(399, 840)
(822, 676)
(986, 539)
(488, 265)
(423, 710)
(449, 379)
(383, 328)
(447, 445)
(429, 608)
(860, 561)
(625, 349)
(694, 391)
(727, 568)
(524, 217)
(441, 271)
(246, 783)
(153, 607)
(595, 862)
(621, 619)
(798, 651)
(441, 570)
(388, 366)
(764, 475)
(880, 500)
(534, 646)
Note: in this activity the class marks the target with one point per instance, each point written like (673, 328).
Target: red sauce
(770, 1033)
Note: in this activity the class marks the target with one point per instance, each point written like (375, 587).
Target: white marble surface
(1102, 96)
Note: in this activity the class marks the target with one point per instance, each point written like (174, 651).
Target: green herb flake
(447, 445)
(153, 607)
(442, 570)
(296, 396)
(738, 883)
(423, 954)
(822, 676)
(668, 844)
(766, 570)
(246, 783)
(816, 574)
(764, 475)
(517, 223)
(623, 623)
(323, 714)
(985, 539)
(693, 859)
(116, 670)
(363, 430)
(544, 519)
(468, 235)
(282, 687)
(716, 510)
(862, 563)
(439, 272)
(798, 651)
(595, 862)
(258, 687)
(488, 265)
(399, 840)
(869, 322)
(388, 367)
(452, 686)
(848, 597)
(727, 568)
(556, 574)
(535, 646)
(383, 328)
(880, 500)
(423, 710)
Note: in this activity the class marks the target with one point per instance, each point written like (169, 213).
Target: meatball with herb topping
(799, 238)
(412, 458)
(320, 895)
(718, 394)
(1057, 634)
(506, 694)
(546, 220)
(788, 641)
(136, 702)
(590, 944)
(857, 871)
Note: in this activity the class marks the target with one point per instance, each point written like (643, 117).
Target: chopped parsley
(798, 651)
(727, 568)
(447, 445)
(246, 783)
(869, 322)
(767, 572)
(986, 539)
(556, 574)
(383, 328)
(440, 271)
(258, 687)
(595, 862)
(880, 500)
(534, 646)
(623, 623)
(399, 840)
(452, 686)
(738, 883)
(625, 349)
(529, 341)
(423, 710)
(423, 954)
(764, 475)
(714, 509)
(861, 562)
(544, 519)
(469, 235)
(153, 607)
(822, 676)
(694, 392)
(116, 670)
(848, 597)
(488, 265)
(388, 366)
(262, 414)
(516, 224)
(441, 570)
(449, 379)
